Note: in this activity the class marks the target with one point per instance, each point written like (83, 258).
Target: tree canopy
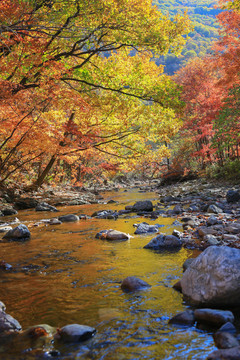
(77, 75)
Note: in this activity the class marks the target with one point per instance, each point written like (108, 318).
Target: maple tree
(77, 76)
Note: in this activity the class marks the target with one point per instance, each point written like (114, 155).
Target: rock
(131, 283)
(112, 235)
(230, 237)
(214, 209)
(54, 221)
(213, 278)
(161, 242)
(38, 331)
(112, 201)
(5, 266)
(211, 239)
(105, 214)
(19, 233)
(177, 233)
(187, 263)
(9, 211)
(168, 199)
(213, 316)
(8, 323)
(225, 340)
(45, 207)
(5, 229)
(228, 327)
(68, 218)
(212, 220)
(144, 228)
(225, 354)
(177, 286)
(145, 205)
(183, 318)
(74, 333)
(232, 196)
(25, 203)
(177, 209)
(2, 306)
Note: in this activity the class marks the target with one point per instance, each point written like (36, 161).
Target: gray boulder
(213, 278)
(145, 205)
(19, 233)
(161, 242)
(131, 283)
(74, 333)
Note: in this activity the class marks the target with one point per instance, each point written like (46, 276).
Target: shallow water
(64, 275)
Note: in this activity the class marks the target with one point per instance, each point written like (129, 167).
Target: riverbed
(64, 275)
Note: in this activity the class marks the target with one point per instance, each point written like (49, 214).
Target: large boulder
(19, 233)
(213, 316)
(213, 278)
(145, 205)
(225, 354)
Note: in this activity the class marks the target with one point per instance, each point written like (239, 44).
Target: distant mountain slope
(203, 15)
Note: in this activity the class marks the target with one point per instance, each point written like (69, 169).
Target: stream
(64, 275)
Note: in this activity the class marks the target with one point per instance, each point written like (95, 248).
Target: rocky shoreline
(206, 217)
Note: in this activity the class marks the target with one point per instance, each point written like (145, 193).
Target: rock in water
(213, 316)
(162, 242)
(68, 218)
(19, 233)
(131, 283)
(8, 323)
(74, 333)
(213, 278)
(145, 205)
(112, 235)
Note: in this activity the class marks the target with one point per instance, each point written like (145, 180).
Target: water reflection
(64, 275)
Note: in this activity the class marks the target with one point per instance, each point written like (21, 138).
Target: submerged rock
(74, 333)
(213, 277)
(132, 283)
(19, 233)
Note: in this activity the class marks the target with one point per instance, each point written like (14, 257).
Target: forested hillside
(203, 16)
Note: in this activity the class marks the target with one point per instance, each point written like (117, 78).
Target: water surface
(65, 275)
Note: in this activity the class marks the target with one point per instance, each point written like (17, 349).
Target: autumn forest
(83, 97)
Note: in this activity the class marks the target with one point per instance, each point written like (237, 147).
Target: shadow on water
(65, 275)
